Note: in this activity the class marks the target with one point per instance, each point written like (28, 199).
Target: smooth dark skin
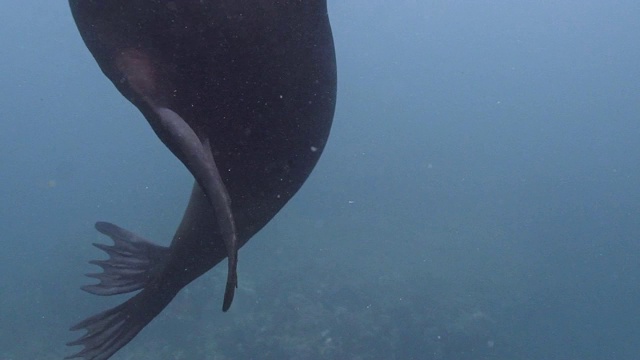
(243, 93)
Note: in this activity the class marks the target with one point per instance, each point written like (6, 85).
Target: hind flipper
(132, 262)
(109, 331)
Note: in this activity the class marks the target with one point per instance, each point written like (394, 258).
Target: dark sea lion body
(243, 93)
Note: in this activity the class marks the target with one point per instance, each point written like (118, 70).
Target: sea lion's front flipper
(149, 93)
(196, 155)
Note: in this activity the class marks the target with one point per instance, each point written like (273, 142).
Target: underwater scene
(478, 197)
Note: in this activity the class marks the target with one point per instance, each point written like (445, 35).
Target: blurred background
(478, 198)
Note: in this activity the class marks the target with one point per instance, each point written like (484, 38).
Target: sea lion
(243, 94)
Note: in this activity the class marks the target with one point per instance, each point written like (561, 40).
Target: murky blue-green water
(479, 197)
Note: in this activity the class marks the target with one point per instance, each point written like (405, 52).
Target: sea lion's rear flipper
(109, 331)
(133, 262)
(132, 265)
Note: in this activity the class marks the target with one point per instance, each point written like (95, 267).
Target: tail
(133, 264)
